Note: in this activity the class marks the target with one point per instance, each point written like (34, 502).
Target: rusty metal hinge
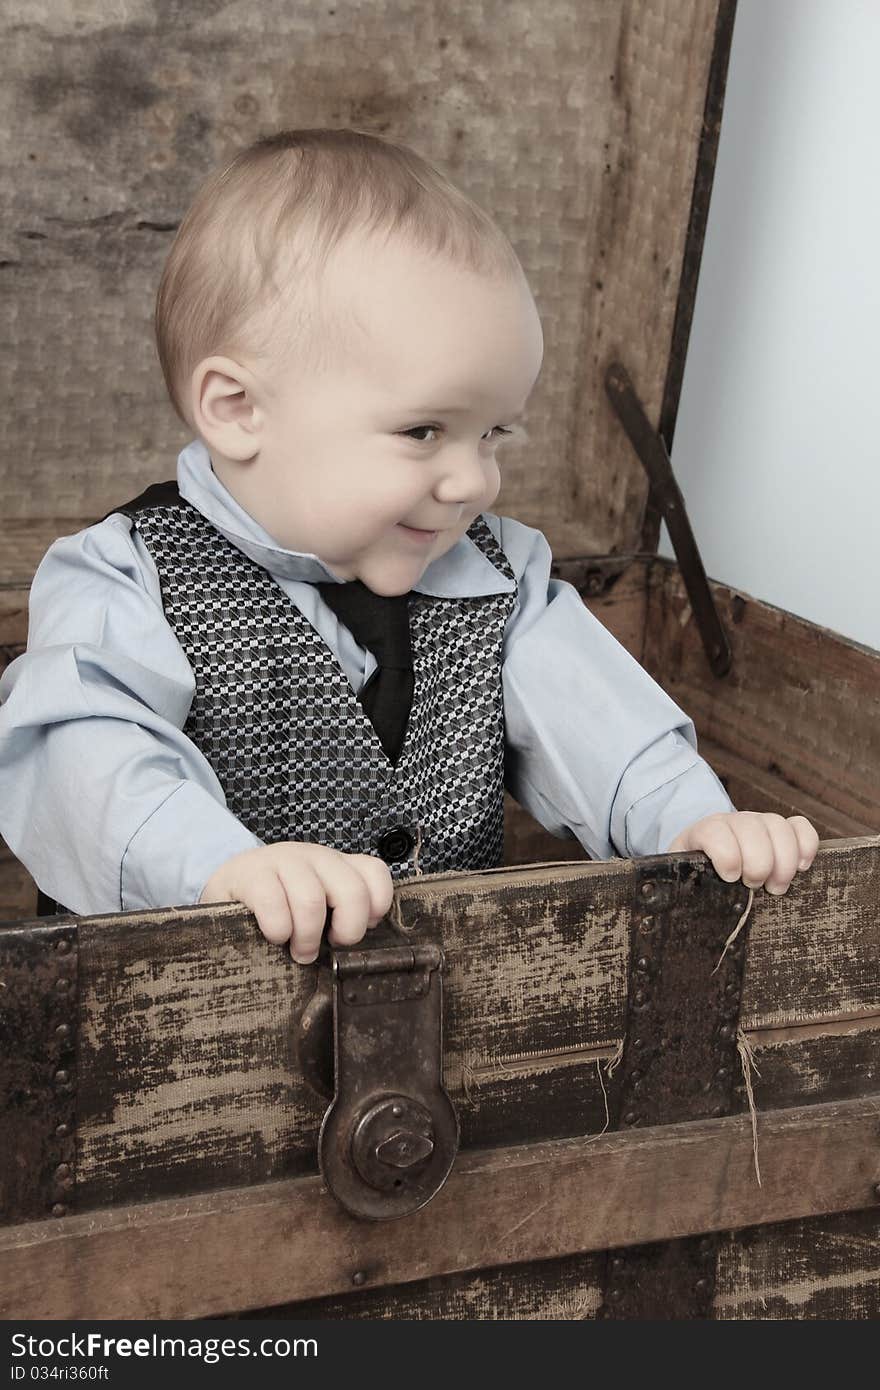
(371, 1037)
(654, 457)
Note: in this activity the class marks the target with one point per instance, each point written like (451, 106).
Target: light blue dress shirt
(111, 807)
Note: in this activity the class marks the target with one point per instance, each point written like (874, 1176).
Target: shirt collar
(463, 572)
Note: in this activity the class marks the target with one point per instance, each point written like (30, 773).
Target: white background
(777, 443)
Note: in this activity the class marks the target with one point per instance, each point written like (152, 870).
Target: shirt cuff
(689, 791)
(170, 858)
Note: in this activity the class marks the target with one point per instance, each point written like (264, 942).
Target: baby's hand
(758, 847)
(289, 887)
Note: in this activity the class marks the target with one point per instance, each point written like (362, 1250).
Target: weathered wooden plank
(622, 605)
(819, 1268)
(752, 788)
(566, 1289)
(813, 951)
(186, 1056)
(18, 892)
(13, 618)
(289, 1240)
(187, 1068)
(836, 1060)
(527, 842)
(800, 702)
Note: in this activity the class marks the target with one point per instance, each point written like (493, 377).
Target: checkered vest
(276, 716)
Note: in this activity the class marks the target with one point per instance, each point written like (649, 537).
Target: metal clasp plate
(390, 1136)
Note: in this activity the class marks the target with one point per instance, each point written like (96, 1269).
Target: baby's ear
(223, 407)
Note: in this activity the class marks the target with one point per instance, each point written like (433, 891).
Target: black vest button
(395, 844)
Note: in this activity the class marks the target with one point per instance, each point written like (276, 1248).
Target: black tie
(382, 625)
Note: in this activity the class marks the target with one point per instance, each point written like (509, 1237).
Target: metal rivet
(615, 1295)
(62, 1077)
(642, 963)
(701, 1285)
(635, 1076)
(617, 1262)
(725, 1031)
(359, 1277)
(63, 1170)
(59, 1209)
(640, 996)
(647, 889)
(718, 1110)
(647, 926)
(630, 1118)
(722, 1073)
(396, 1110)
(63, 1030)
(62, 947)
(638, 1044)
(352, 995)
(61, 983)
(62, 1131)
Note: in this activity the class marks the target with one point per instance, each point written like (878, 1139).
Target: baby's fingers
(380, 885)
(715, 837)
(756, 846)
(807, 838)
(305, 894)
(268, 902)
(786, 853)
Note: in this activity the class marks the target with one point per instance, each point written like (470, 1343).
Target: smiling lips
(417, 534)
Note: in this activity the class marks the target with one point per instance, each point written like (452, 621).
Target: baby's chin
(390, 580)
(392, 574)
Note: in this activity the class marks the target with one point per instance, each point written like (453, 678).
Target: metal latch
(371, 1037)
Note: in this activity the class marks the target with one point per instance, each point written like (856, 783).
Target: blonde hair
(260, 230)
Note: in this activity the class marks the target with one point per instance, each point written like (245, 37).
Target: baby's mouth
(417, 533)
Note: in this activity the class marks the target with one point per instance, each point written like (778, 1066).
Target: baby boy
(310, 665)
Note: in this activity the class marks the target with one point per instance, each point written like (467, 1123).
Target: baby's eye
(420, 429)
(497, 430)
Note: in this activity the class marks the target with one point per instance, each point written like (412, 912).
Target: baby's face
(380, 462)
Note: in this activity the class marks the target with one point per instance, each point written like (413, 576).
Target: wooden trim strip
(286, 1241)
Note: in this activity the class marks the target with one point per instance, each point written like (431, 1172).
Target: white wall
(777, 444)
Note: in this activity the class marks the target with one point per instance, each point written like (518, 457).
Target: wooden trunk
(159, 1154)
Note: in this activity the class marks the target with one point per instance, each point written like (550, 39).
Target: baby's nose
(462, 478)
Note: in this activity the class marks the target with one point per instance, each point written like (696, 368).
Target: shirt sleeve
(595, 748)
(103, 798)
